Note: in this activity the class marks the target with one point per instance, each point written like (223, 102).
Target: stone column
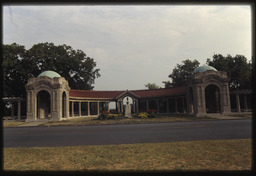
(238, 103)
(80, 109)
(133, 104)
(137, 106)
(122, 108)
(98, 108)
(72, 108)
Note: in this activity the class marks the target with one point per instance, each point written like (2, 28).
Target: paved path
(30, 124)
(222, 117)
(126, 134)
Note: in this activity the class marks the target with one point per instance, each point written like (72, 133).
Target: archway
(212, 99)
(64, 105)
(43, 105)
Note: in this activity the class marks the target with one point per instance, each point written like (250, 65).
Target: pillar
(238, 103)
(88, 105)
(98, 108)
(72, 109)
(147, 104)
(122, 108)
(137, 106)
(133, 104)
(80, 109)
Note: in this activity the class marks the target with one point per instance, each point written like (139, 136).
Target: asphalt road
(126, 134)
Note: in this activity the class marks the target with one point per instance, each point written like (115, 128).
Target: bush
(109, 115)
(151, 113)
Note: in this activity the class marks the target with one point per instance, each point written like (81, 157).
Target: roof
(94, 94)
(49, 73)
(139, 93)
(204, 68)
(160, 92)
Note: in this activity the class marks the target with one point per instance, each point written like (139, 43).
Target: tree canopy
(181, 73)
(239, 71)
(152, 86)
(20, 64)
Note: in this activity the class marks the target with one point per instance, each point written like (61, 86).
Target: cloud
(134, 45)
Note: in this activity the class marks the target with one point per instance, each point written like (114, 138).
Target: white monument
(127, 109)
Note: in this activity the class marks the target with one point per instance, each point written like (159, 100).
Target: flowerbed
(105, 115)
(151, 113)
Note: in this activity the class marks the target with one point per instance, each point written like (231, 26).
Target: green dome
(50, 74)
(204, 68)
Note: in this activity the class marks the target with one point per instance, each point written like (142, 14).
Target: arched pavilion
(49, 97)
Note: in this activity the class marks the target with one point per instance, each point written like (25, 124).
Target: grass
(12, 124)
(95, 121)
(242, 115)
(171, 156)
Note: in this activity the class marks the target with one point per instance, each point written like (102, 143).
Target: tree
(13, 70)
(152, 86)
(181, 73)
(73, 65)
(238, 70)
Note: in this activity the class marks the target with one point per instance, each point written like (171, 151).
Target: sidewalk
(222, 117)
(30, 124)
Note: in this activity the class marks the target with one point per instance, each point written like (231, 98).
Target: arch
(64, 104)
(212, 99)
(128, 101)
(43, 104)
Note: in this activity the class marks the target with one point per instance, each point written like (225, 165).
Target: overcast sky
(134, 45)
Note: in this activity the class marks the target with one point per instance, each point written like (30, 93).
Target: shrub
(109, 115)
(143, 115)
(151, 113)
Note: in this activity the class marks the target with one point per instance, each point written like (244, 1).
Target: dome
(50, 74)
(204, 68)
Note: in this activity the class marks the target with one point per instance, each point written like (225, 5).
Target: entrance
(43, 105)
(64, 105)
(212, 99)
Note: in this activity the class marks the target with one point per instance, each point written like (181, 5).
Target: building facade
(49, 97)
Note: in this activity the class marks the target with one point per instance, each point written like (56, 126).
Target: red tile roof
(94, 94)
(160, 92)
(139, 93)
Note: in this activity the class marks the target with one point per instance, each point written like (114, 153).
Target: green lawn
(96, 121)
(170, 156)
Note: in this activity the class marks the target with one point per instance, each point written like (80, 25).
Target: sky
(134, 45)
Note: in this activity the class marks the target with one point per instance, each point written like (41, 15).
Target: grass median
(171, 156)
(95, 121)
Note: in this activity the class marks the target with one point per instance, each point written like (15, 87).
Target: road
(126, 134)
